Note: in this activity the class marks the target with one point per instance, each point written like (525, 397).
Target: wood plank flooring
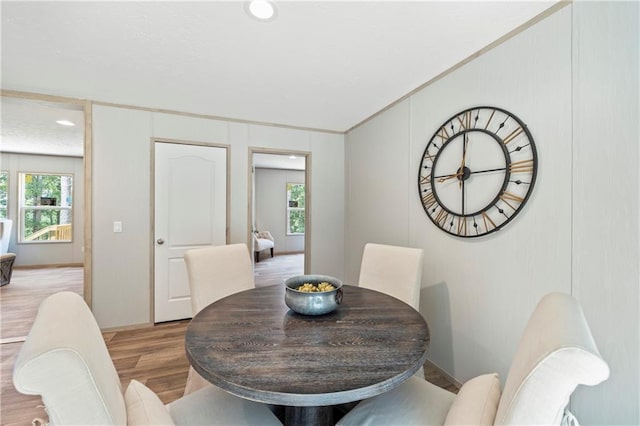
(153, 355)
(274, 270)
(19, 300)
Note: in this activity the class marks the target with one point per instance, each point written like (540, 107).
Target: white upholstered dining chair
(393, 270)
(215, 272)
(556, 354)
(66, 361)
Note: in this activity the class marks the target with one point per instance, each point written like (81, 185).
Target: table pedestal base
(317, 416)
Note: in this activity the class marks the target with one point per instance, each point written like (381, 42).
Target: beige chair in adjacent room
(556, 354)
(6, 258)
(6, 225)
(215, 272)
(393, 270)
(262, 240)
(66, 361)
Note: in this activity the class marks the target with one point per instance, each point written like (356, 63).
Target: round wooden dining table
(251, 345)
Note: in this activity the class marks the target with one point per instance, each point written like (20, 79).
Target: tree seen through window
(46, 207)
(295, 208)
(4, 178)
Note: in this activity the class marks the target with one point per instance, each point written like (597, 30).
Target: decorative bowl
(312, 303)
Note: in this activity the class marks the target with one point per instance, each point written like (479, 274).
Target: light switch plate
(117, 226)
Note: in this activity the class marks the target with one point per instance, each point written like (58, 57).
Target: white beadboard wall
(478, 294)
(121, 187)
(38, 254)
(377, 180)
(606, 254)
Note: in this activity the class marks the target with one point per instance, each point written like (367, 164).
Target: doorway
(279, 202)
(43, 193)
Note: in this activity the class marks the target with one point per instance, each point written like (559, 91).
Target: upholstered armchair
(556, 354)
(5, 234)
(262, 240)
(66, 361)
(6, 258)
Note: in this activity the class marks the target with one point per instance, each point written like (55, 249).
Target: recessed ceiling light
(65, 123)
(262, 10)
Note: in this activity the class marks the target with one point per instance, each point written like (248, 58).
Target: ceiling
(30, 127)
(275, 161)
(324, 65)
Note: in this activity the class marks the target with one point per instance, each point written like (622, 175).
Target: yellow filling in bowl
(315, 288)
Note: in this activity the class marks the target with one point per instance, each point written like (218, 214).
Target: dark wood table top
(253, 346)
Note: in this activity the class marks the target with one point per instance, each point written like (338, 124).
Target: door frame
(87, 156)
(152, 207)
(308, 199)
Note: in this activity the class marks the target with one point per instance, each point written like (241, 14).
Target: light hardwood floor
(274, 270)
(19, 299)
(153, 354)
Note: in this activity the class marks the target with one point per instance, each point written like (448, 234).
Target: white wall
(121, 187)
(30, 254)
(478, 294)
(379, 180)
(606, 141)
(271, 207)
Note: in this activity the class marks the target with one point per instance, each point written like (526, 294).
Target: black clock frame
(506, 181)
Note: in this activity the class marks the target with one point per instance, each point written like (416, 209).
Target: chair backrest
(556, 353)
(66, 361)
(396, 271)
(216, 272)
(263, 235)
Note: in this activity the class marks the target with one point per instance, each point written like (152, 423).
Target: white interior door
(190, 212)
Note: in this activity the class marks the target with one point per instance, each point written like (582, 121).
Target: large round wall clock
(477, 171)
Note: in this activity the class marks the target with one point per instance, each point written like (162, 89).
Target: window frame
(5, 208)
(22, 208)
(292, 209)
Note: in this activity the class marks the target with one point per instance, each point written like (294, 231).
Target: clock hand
(444, 178)
(464, 156)
(488, 170)
(462, 190)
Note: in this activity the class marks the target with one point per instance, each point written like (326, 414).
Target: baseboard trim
(13, 340)
(57, 265)
(446, 375)
(127, 327)
(140, 326)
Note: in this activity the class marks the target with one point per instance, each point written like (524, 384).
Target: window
(295, 208)
(46, 207)
(4, 186)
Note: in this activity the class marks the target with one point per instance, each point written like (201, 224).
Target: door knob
(160, 241)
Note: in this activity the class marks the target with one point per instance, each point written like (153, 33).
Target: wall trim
(216, 117)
